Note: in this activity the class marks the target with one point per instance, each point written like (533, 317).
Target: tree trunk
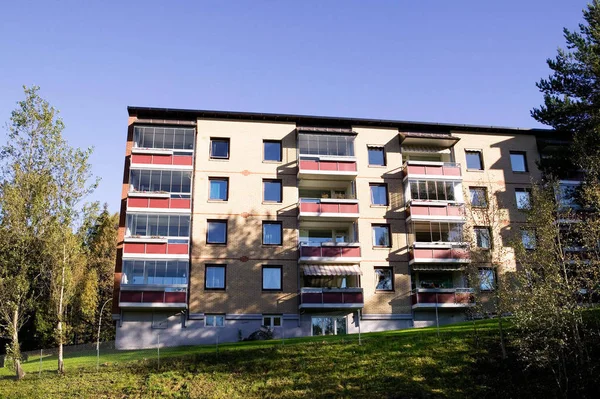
(15, 347)
(502, 344)
(500, 325)
(59, 329)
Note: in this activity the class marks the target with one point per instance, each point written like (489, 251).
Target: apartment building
(308, 225)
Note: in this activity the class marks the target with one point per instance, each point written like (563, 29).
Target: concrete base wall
(426, 318)
(139, 330)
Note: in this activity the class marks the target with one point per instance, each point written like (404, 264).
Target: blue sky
(463, 61)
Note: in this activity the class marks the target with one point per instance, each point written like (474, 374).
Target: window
(381, 235)
(567, 194)
(214, 320)
(326, 144)
(435, 280)
(154, 272)
(478, 196)
(219, 148)
(272, 150)
(272, 232)
(523, 198)
(379, 194)
(376, 156)
(518, 161)
(528, 239)
(272, 190)
(216, 232)
(487, 279)
(214, 278)
(169, 181)
(437, 231)
(164, 137)
(384, 279)
(271, 278)
(158, 225)
(271, 321)
(433, 190)
(333, 325)
(219, 188)
(482, 237)
(474, 160)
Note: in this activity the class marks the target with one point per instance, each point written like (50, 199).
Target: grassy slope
(407, 363)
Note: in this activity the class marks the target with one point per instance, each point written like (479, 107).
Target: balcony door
(328, 325)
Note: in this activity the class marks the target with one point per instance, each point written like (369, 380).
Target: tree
(44, 182)
(560, 276)
(572, 94)
(99, 235)
(24, 215)
(558, 256)
(489, 272)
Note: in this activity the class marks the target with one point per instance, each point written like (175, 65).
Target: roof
(326, 121)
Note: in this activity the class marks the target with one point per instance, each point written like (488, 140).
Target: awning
(425, 149)
(437, 268)
(332, 270)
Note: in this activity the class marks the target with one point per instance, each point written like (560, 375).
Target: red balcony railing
(431, 169)
(429, 210)
(132, 296)
(328, 206)
(331, 298)
(311, 165)
(162, 159)
(157, 248)
(442, 297)
(329, 251)
(428, 254)
(161, 203)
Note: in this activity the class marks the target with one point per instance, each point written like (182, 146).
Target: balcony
(434, 211)
(162, 157)
(146, 200)
(425, 252)
(438, 170)
(326, 209)
(318, 167)
(330, 252)
(151, 296)
(428, 298)
(157, 247)
(331, 298)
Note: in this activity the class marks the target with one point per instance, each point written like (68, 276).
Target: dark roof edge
(189, 114)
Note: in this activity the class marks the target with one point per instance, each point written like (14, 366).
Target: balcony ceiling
(425, 149)
(428, 139)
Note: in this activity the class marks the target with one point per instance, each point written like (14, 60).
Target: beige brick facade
(243, 300)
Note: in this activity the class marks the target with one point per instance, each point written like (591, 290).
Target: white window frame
(210, 320)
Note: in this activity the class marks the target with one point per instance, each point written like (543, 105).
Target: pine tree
(572, 95)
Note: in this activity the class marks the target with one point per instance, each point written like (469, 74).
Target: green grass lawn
(400, 364)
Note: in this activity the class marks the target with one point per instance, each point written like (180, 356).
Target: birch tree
(25, 188)
(44, 182)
